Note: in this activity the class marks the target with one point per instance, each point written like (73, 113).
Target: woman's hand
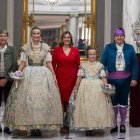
(75, 93)
(55, 80)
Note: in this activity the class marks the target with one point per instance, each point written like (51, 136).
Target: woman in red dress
(66, 61)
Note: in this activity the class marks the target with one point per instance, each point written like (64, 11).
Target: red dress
(66, 68)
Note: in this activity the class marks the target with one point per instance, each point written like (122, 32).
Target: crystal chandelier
(54, 2)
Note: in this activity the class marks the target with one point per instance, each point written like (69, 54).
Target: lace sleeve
(23, 56)
(48, 57)
(102, 73)
(81, 72)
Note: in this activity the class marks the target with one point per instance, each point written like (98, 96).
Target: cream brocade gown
(36, 102)
(93, 108)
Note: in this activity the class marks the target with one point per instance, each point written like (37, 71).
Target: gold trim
(93, 24)
(90, 23)
(85, 17)
(25, 22)
(83, 59)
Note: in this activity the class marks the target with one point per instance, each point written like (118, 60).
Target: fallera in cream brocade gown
(36, 102)
(93, 108)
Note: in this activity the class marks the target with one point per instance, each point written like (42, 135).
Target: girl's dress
(36, 102)
(93, 108)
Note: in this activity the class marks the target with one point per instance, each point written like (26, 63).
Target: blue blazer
(108, 59)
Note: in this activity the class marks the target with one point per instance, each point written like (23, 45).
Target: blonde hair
(88, 49)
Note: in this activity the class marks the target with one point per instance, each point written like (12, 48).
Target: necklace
(35, 48)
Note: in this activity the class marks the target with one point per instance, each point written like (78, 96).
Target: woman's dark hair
(4, 32)
(62, 36)
(89, 48)
(35, 27)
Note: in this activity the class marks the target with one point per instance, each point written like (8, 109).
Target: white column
(131, 15)
(80, 27)
(10, 20)
(67, 24)
(107, 25)
(73, 26)
(57, 31)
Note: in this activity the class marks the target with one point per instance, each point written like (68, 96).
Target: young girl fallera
(93, 109)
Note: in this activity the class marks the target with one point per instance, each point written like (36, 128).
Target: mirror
(62, 15)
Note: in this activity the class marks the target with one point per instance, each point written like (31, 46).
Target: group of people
(41, 98)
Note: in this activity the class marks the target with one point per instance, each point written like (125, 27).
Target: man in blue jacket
(121, 63)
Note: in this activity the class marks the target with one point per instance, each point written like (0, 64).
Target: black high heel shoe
(64, 130)
(7, 130)
(35, 132)
(38, 132)
(88, 133)
(32, 132)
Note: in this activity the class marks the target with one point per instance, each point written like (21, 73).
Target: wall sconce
(28, 20)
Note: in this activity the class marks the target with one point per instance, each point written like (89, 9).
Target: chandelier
(54, 2)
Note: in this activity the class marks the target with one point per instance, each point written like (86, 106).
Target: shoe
(113, 130)
(64, 130)
(38, 132)
(7, 130)
(93, 133)
(35, 132)
(122, 129)
(88, 133)
(32, 132)
(0, 128)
